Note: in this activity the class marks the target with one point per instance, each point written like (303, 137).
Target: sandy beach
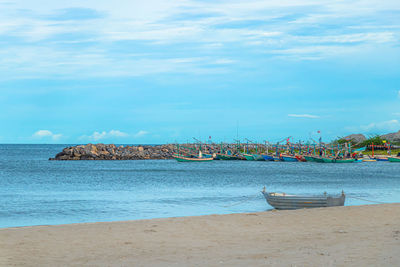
(340, 236)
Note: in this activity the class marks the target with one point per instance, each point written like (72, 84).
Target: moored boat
(300, 158)
(382, 158)
(226, 157)
(318, 159)
(268, 157)
(187, 159)
(258, 157)
(276, 158)
(335, 160)
(309, 158)
(284, 201)
(248, 156)
(394, 159)
(289, 158)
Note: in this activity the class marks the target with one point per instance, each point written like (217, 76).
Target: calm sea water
(36, 191)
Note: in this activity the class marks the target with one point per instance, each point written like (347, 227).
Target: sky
(149, 72)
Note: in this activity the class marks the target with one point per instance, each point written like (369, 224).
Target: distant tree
(341, 141)
(373, 139)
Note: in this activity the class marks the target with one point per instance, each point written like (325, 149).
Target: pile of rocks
(112, 152)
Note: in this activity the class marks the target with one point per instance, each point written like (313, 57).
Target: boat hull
(394, 159)
(289, 158)
(258, 157)
(332, 160)
(185, 159)
(226, 157)
(248, 157)
(309, 158)
(292, 202)
(268, 157)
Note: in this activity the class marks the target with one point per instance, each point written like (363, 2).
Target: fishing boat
(382, 158)
(258, 157)
(289, 158)
(226, 157)
(318, 159)
(309, 158)
(276, 158)
(394, 159)
(282, 201)
(300, 158)
(181, 158)
(248, 156)
(268, 157)
(335, 160)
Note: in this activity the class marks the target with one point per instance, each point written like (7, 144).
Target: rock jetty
(113, 152)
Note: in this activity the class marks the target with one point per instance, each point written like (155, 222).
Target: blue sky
(165, 71)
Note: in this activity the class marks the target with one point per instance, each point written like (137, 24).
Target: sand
(340, 236)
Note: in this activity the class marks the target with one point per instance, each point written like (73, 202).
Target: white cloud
(117, 133)
(47, 134)
(377, 127)
(96, 136)
(38, 40)
(309, 116)
(141, 133)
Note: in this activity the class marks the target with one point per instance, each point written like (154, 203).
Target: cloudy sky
(164, 71)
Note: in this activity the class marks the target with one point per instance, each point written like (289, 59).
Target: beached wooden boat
(282, 201)
(187, 159)
(394, 159)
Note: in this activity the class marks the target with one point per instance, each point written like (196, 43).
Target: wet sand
(340, 236)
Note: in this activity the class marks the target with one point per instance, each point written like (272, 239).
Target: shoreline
(350, 235)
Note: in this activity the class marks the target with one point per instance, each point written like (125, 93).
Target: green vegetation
(381, 152)
(341, 141)
(375, 139)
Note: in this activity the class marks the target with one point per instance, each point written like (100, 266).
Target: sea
(36, 191)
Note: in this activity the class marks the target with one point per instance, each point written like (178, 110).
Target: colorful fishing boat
(369, 160)
(248, 156)
(188, 159)
(300, 158)
(394, 159)
(309, 158)
(334, 160)
(276, 158)
(318, 159)
(382, 158)
(289, 158)
(226, 157)
(258, 157)
(268, 157)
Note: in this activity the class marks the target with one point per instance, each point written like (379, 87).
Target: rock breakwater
(113, 152)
